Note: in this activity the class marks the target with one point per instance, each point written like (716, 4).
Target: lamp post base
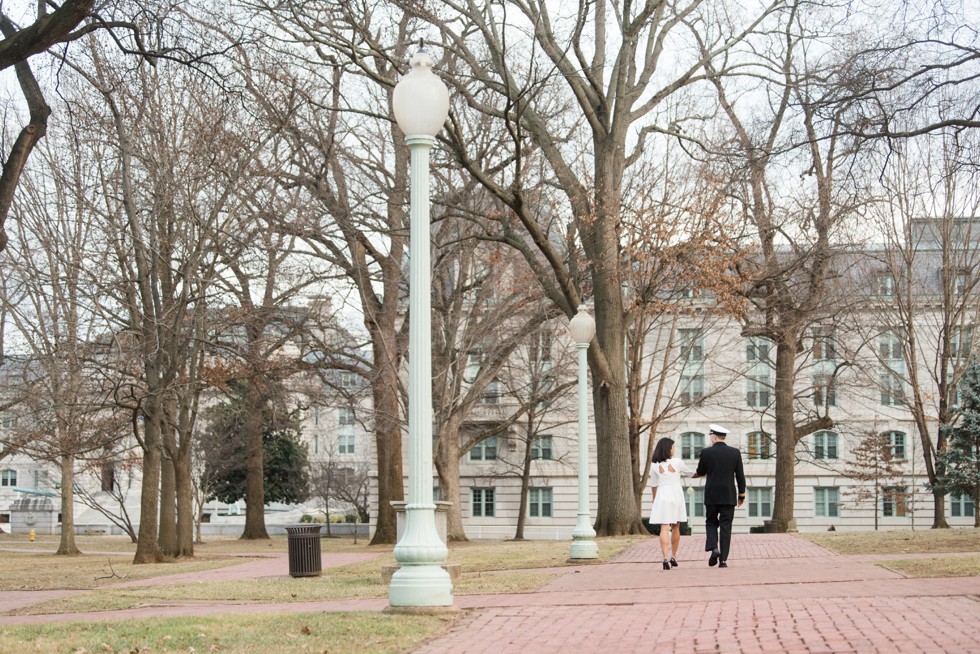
(416, 586)
(584, 548)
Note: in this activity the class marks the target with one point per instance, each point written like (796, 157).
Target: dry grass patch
(284, 633)
(480, 562)
(23, 571)
(928, 541)
(483, 556)
(947, 566)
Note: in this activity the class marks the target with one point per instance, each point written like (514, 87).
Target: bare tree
(922, 286)
(875, 464)
(619, 87)
(168, 203)
(65, 406)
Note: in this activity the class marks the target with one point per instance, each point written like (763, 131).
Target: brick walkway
(780, 594)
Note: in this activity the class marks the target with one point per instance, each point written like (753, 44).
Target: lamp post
(583, 545)
(421, 105)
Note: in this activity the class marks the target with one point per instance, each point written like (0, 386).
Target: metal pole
(583, 537)
(420, 579)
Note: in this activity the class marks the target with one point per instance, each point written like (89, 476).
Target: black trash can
(304, 550)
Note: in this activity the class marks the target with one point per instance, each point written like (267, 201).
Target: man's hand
(741, 501)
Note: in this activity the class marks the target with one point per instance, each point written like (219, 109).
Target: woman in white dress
(669, 504)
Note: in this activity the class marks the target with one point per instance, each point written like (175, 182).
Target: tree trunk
(525, 483)
(168, 491)
(447, 467)
(388, 438)
(67, 545)
(617, 512)
(185, 502)
(254, 467)
(147, 549)
(783, 504)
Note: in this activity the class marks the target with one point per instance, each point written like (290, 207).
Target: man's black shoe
(722, 565)
(713, 559)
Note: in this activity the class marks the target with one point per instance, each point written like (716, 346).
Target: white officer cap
(717, 429)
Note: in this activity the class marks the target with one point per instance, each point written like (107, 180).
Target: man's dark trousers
(718, 516)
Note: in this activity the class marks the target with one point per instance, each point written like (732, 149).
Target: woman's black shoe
(666, 564)
(673, 562)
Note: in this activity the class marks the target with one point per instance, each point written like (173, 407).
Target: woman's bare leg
(675, 536)
(665, 540)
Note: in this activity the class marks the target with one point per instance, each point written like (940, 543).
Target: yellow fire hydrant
(32, 535)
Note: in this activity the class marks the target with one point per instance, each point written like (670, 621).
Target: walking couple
(722, 467)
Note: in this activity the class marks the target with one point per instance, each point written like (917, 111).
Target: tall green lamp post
(584, 546)
(421, 105)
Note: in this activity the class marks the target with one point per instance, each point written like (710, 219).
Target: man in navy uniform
(722, 465)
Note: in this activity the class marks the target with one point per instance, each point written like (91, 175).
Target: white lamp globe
(582, 326)
(421, 100)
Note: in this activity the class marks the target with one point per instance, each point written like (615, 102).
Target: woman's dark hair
(662, 451)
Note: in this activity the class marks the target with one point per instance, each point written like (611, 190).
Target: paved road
(779, 594)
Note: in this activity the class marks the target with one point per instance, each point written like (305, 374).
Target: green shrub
(306, 518)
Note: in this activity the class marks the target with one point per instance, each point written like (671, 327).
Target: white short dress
(669, 505)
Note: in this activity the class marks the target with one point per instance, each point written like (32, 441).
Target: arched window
(759, 445)
(692, 443)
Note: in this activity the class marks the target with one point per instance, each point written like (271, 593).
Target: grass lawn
(487, 567)
(947, 566)
(926, 541)
(282, 633)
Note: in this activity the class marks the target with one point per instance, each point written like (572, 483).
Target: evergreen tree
(958, 465)
(285, 456)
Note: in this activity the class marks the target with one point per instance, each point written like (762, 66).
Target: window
(757, 391)
(107, 476)
(824, 390)
(695, 503)
(826, 502)
(483, 502)
(692, 443)
(485, 450)
(760, 502)
(961, 506)
(757, 349)
(892, 389)
(896, 443)
(541, 447)
(348, 380)
(345, 416)
(961, 342)
(824, 344)
(759, 445)
(474, 361)
(539, 503)
(345, 443)
(691, 344)
(883, 285)
(825, 445)
(8, 422)
(8, 477)
(961, 283)
(491, 393)
(539, 349)
(893, 500)
(692, 385)
(889, 347)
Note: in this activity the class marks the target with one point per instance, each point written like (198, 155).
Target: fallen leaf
(106, 647)
(306, 630)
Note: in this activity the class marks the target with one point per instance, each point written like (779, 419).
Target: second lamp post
(583, 545)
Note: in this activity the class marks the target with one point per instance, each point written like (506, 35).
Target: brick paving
(780, 594)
